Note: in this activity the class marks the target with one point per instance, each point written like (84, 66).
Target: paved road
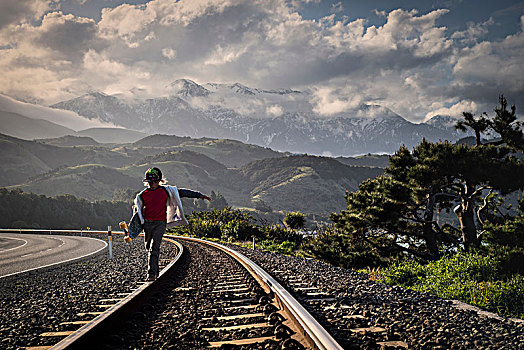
(23, 252)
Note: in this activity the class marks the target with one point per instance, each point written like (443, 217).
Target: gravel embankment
(421, 320)
(38, 301)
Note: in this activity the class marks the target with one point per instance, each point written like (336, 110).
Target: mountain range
(284, 120)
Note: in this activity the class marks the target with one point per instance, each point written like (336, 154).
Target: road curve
(24, 252)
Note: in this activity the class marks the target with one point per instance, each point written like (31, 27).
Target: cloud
(409, 64)
(473, 32)
(65, 118)
(21, 11)
(456, 109)
(65, 36)
(126, 22)
(488, 69)
(169, 53)
(44, 60)
(329, 102)
(338, 7)
(274, 110)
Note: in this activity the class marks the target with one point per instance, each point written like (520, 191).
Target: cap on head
(153, 174)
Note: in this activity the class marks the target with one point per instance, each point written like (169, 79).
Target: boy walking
(159, 207)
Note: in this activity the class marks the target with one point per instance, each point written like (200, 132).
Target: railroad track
(210, 299)
(357, 323)
(232, 303)
(103, 312)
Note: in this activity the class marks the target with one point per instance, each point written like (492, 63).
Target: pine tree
(396, 212)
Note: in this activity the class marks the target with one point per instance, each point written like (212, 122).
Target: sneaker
(150, 278)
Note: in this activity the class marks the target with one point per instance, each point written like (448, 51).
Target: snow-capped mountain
(447, 123)
(284, 120)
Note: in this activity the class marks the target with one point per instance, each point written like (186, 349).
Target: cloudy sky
(418, 58)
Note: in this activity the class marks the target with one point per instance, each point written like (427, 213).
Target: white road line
(18, 239)
(61, 262)
(62, 242)
(41, 251)
(58, 239)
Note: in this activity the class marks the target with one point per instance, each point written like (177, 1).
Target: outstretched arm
(184, 192)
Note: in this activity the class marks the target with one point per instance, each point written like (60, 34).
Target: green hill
(89, 181)
(369, 160)
(161, 141)
(195, 158)
(231, 153)
(69, 140)
(306, 183)
(23, 159)
(18, 163)
(310, 184)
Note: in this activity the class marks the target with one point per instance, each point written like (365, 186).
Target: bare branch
(454, 186)
(479, 190)
(484, 205)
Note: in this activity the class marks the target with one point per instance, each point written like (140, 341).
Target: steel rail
(313, 330)
(83, 336)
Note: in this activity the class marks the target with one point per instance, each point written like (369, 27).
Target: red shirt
(155, 204)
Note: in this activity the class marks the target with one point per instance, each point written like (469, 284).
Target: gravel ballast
(421, 320)
(177, 316)
(38, 301)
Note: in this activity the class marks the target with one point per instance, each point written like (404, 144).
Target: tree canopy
(440, 196)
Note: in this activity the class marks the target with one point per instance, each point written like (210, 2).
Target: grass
(471, 278)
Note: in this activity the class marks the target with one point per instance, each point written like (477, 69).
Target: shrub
(294, 220)
(510, 233)
(226, 224)
(281, 234)
(286, 247)
(471, 278)
(509, 260)
(330, 246)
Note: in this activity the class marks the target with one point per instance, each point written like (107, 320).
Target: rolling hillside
(231, 153)
(69, 140)
(370, 160)
(311, 184)
(112, 135)
(89, 181)
(23, 159)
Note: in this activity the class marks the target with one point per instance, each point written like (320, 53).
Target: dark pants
(154, 230)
